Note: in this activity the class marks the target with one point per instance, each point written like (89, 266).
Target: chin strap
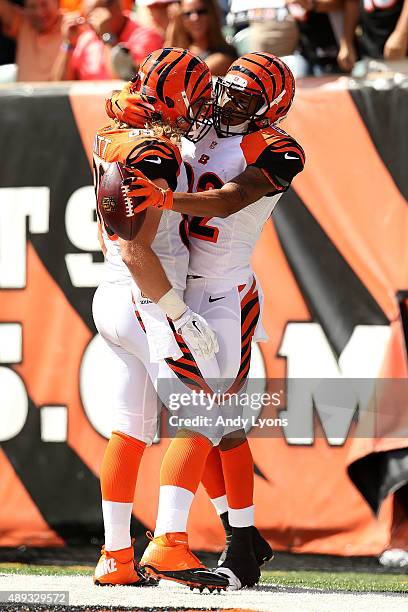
(240, 129)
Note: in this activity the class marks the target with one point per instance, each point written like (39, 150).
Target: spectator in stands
(320, 30)
(326, 34)
(155, 14)
(265, 25)
(197, 26)
(384, 27)
(322, 36)
(89, 41)
(37, 31)
(384, 32)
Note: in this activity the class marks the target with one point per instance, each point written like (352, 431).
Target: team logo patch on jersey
(109, 203)
(203, 159)
(213, 144)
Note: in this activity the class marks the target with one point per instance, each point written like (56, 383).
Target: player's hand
(128, 106)
(197, 333)
(116, 104)
(396, 46)
(149, 194)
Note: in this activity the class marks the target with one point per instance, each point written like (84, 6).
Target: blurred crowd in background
(60, 40)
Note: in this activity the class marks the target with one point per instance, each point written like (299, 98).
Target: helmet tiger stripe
(181, 85)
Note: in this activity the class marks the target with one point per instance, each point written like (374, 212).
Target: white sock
(220, 504)
(241, 517)
(116, 520)
(174, 508)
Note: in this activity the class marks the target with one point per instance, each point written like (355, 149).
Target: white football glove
(197, 333)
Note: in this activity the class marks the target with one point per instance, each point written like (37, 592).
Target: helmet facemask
(197, 121)
(236, 107)
(193, 123)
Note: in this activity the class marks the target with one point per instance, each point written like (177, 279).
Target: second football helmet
(176, 89)
(257, 90)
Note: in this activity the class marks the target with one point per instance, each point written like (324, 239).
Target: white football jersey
(134, 147)
(222, 248)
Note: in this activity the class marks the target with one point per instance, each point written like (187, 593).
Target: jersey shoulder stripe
(153, 155)
(278, 155)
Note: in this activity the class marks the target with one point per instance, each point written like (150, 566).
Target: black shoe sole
(244, 566)
(245, 580)
(194, 578)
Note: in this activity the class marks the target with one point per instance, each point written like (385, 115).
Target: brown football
(115, 205)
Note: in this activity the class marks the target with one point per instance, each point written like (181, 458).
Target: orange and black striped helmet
(257, 90)
(179, 87)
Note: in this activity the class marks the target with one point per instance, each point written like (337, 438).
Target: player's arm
(245, 189)
(100, 237)
(150, 277)
(138, 254)
(142, 261)
(269, 172)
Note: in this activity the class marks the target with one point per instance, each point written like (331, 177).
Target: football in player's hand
(115, 205)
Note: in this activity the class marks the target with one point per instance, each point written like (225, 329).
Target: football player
(245, 158)
(139, 309)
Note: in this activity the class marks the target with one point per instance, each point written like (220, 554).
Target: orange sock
(213, 477)
(120, 467)
(184, 461)
(238, 469)
(180, 475)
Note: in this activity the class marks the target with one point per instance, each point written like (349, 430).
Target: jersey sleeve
(277, 154)
(156, 158)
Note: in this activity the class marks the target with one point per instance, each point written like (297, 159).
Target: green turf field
(332, 581)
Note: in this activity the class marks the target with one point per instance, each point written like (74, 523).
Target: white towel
(160, 336)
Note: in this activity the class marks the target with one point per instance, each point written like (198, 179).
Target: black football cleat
(240, 565)
(228, 537)
(263, 552)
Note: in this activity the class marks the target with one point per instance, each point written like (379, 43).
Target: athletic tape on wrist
(172, 305)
